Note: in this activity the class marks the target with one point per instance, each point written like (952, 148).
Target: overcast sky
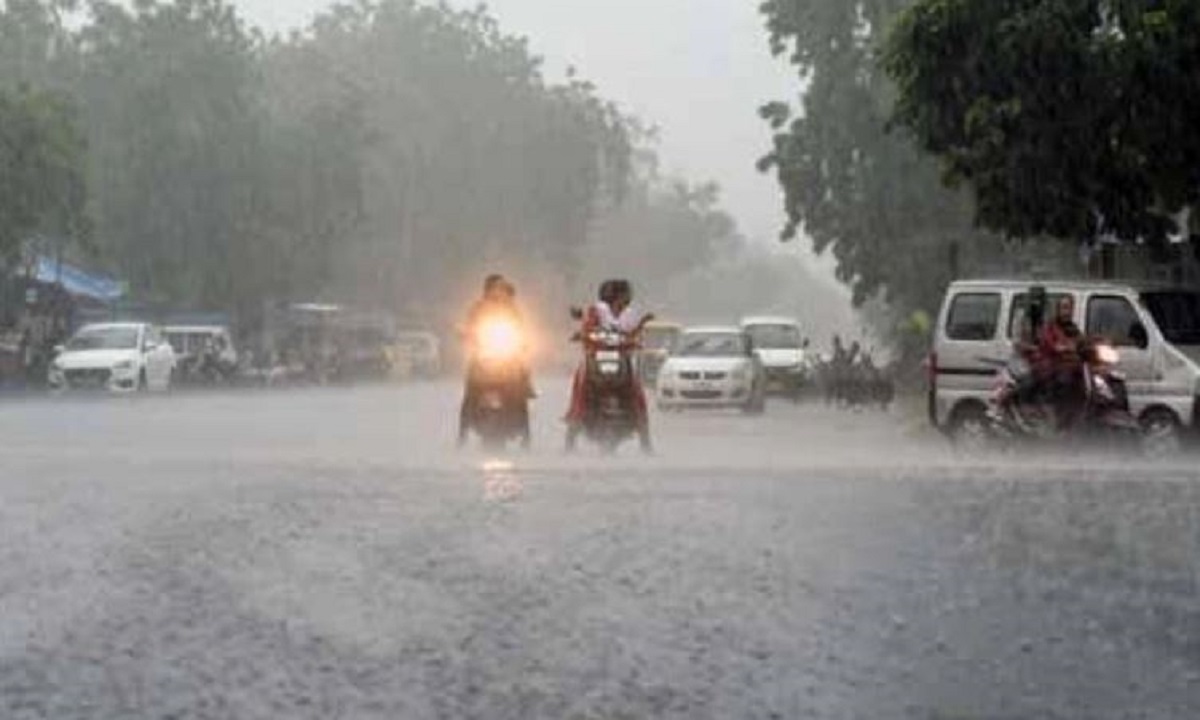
(698, 69)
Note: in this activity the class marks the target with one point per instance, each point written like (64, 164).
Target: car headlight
(123, 366)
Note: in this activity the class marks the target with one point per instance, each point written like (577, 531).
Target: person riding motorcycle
(612, 311)
(498, 300)
(1050, 350)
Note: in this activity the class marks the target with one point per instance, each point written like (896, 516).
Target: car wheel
(970, 430)
(1162, 435)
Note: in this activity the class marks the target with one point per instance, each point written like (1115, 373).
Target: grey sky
(696, 68)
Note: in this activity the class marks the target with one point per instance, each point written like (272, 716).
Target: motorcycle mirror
(1139, 336)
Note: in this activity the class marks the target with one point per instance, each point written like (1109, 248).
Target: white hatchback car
(117, 357)
(712, 367)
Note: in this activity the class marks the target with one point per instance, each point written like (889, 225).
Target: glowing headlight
(499, 339)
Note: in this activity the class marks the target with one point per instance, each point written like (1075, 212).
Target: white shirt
(627, 322)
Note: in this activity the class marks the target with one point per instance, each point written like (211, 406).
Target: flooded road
(327, 553)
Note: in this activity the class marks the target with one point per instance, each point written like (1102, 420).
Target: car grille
(701, 394)
(96, 378)
(715, 375)
(689, 376)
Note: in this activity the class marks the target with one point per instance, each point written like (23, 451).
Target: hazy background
(698, 69)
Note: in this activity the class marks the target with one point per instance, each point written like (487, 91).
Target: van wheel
(970, 430)
(1162, 435)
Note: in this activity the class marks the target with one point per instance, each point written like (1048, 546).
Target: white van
(782, 350)
(1155, 328)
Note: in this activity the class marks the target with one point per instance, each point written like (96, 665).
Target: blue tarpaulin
(76, 281)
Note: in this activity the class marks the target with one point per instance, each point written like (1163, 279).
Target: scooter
(1101, 413)
(499, 409)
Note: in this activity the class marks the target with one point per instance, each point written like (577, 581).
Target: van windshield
(1177, 313)
(774, 336)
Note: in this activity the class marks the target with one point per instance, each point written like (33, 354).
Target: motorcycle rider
(612, 311)
(1058, 345)
(498, 299)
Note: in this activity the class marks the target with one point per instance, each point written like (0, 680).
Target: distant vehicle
(783, 351)
(657, 340)
(363, 349)
(713, 367)
(115, 357)
(191, 343)
(421, 351)
(1155, 329)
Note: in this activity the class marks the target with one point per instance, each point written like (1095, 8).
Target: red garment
(578, 407)
(1056, 343)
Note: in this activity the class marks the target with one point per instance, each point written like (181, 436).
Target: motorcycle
(499, 408)
(1100, 412)
(610, 415)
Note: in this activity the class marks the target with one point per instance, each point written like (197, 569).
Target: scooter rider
(499, 299)
(1058, 343)
(613, 311)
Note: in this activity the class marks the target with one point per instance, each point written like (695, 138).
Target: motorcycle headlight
(1108, 355)
(499, 339)
(123, 366)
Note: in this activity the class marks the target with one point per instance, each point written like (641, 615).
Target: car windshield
(711, 345)
(658, 338)
(1177, 314)
(105, 338)
(774, 337)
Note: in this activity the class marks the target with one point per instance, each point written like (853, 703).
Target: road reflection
(500, 481)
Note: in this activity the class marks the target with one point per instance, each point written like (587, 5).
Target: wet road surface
(327, 554)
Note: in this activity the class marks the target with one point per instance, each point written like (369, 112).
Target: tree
(1066, 118)
(855, 189)
(42, 187)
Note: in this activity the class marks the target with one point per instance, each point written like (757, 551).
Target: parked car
(657, 341)
(712, 367)
(1156, 331)
(192, 342)
(419, 351)
(783, 351)
(117, 357)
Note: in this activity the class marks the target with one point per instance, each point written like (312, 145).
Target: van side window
(973, 316)
(1112, 317)
(1018, 317)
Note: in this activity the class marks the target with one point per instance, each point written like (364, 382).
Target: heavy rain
(582, 359)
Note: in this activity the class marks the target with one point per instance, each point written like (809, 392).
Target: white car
(783, 351)
(712, 367)
(117, 357)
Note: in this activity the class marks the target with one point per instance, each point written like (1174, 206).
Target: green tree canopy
(1067, 118)
(858, 191)
(42, 186)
